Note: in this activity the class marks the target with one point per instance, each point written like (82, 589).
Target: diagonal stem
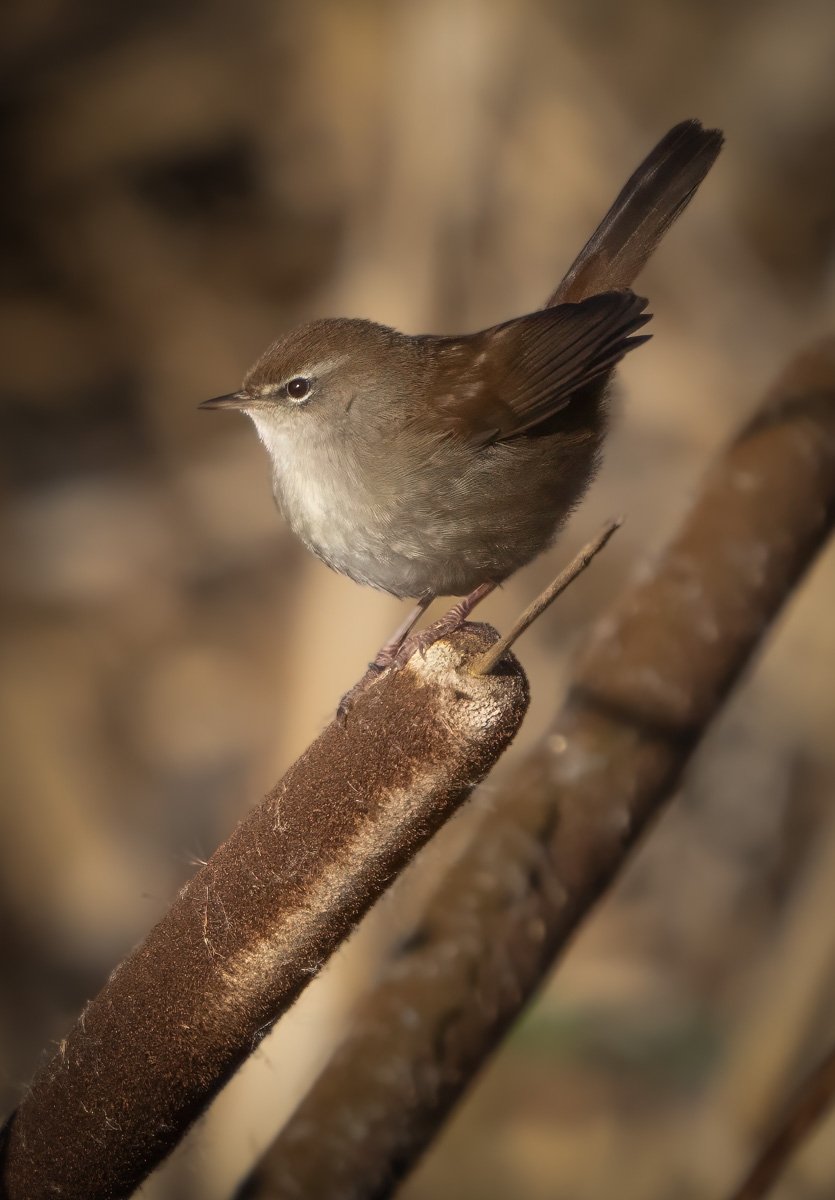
(486, 663)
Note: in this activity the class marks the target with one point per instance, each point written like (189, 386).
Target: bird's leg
(448, 623)
(385, 655)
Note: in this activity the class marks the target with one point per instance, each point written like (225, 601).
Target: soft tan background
(181, 183)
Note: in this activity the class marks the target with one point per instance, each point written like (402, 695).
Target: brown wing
(507, 380)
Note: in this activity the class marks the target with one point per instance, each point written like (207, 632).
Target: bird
(427, 465)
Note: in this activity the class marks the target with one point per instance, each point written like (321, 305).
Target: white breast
(326, 503)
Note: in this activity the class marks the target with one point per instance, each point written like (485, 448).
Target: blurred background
(183, 182)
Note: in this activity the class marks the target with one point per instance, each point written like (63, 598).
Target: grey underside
(452, 520)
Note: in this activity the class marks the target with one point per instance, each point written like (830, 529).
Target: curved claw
(373, 673)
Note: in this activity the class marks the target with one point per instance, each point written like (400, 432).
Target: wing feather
(527, 370)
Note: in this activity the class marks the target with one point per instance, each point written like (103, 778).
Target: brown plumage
(645, 208)
(429, 465)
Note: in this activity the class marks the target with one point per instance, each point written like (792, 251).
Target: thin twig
(488, 661)
(807, 1106)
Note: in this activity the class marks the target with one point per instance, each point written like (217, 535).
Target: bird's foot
(400, 648)
(372, 674)
(453, 619)
(385, 658)
(394, 661)
(419, 643)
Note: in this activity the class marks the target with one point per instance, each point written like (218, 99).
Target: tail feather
(658, 191)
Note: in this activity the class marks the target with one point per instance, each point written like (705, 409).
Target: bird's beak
(233, 400)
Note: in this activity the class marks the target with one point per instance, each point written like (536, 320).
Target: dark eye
(298, 388)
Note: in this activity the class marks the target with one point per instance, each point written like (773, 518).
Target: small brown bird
(429, 466)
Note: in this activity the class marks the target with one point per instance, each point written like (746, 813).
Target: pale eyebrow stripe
(319, 368)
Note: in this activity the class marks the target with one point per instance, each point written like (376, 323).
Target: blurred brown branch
(251, 929)
(565, 820)
(803, 1112)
